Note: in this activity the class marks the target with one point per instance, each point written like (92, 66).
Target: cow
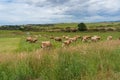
(58, 39)
(95, 38)
(65, 37)
(77, 36)
(31, 39)
(28, 39)
(86, 38)
(66, 43)
(34, 40)
(46, 44)
(109, 38)
(73, 39)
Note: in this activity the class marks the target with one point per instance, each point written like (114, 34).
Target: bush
(82, 27)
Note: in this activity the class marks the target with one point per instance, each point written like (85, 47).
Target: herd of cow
(66, 41)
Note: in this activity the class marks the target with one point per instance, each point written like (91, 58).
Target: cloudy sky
(58, 11)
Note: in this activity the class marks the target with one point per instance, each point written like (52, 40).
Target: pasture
(21, 60)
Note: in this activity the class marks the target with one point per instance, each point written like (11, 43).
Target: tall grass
(94, 61)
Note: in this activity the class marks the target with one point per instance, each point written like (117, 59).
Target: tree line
(53, 28)
(43, 27)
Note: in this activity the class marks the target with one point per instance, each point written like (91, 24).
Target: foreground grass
(94, 61)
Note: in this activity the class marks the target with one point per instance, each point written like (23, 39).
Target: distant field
(101, 26)
(62, 27)
(90, 25)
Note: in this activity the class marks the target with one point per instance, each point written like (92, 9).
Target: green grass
(83, 62)
(89, 25)
(8, 45)
(64, 25)
(18, 42)
(11, 33)
(80, 61)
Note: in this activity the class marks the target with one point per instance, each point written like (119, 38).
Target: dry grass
(89, 61)
(82, 49)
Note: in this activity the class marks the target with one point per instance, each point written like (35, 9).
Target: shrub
(82, 27)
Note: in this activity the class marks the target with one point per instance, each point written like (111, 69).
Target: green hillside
(90, 25)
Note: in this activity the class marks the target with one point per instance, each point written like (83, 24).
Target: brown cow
(29, 39)
(34, 40)
(95, 38)
(65, 37)
(46, 44)
(58, 39)
(77, 36)
(66, 43)
(73, 39)
(86, 38)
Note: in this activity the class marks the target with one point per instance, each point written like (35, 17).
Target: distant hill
(61, 26)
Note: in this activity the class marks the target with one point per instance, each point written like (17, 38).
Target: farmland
(21, 60)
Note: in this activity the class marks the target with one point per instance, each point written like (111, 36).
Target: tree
(82, 27)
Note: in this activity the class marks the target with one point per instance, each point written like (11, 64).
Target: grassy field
(90, 25)
(8, 45)
(98, 26)
(21, 60)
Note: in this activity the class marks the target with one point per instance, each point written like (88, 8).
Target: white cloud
(50, 11)
(107, 6)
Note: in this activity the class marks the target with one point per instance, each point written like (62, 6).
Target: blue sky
(58, 11)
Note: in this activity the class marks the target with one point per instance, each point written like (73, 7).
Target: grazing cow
(66, 43)
(95, 38)
(86, 38)
(31, 40)
(65, 37)
(73, 39)
(34, 40)
(109, 38)
(58, 39)
(77, 36)
(46, 44)
(28, 39)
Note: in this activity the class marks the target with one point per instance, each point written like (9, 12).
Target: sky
(58, 11)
